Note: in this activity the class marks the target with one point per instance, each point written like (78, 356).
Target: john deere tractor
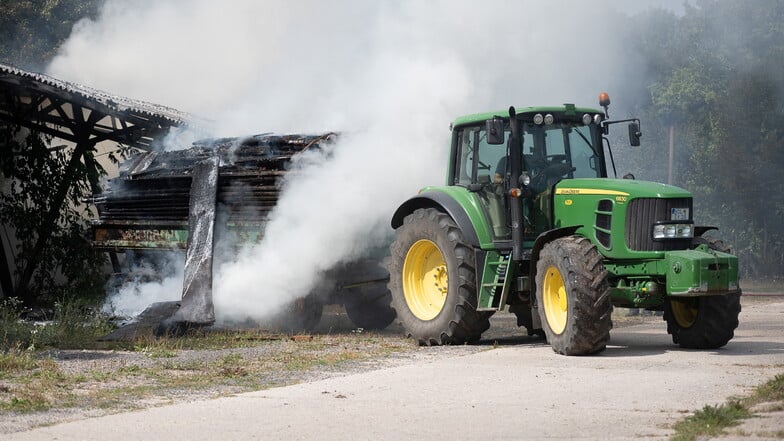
(528, 220)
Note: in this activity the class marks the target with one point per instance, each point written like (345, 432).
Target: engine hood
(619, 187)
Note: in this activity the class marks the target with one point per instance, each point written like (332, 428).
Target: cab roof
(566, 109)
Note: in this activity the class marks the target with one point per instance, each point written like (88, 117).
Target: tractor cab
(557, 143)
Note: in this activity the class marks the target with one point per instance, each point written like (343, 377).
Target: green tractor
(528, 220)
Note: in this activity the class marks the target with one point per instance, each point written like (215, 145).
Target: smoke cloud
(388, 75)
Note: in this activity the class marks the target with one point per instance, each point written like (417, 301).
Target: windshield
(544, 146)
(562, 150)
(560, 143)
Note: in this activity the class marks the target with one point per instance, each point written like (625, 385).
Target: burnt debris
(173, 200)
(155, 186)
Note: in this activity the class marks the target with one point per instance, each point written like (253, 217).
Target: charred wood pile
(155, 186)
(149, 203)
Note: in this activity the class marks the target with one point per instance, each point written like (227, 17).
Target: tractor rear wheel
(706, 322)
(432, 274)
(572, 296)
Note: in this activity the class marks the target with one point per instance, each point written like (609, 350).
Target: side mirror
(495, 130)
(634, 134)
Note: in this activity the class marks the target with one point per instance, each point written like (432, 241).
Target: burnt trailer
(218, 194)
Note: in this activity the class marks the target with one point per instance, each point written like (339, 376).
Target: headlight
(672, 231)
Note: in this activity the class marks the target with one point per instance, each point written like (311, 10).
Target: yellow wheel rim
(555, 300)
(685, 311)
(425, 281)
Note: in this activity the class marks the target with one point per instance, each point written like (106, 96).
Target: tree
(714, 76)
(31, 31)
(30, 170)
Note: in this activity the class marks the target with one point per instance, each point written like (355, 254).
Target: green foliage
(31, 31)
(714, 79)
(72, 326)
(31, 173)
(14, 333)
(710, 421)
(771, 391)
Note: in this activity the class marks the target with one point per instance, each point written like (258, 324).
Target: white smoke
(388, 75)
(145, 283)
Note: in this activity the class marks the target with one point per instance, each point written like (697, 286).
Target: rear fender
(443, 202)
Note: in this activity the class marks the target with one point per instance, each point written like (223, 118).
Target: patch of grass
(73, 326)
(771, 391)
(26, 403)
(37, 388)
(15, 360)
(232, 366)
(121, 397)
(14, 333)
(199, 339)
(712, 421)
(35, 381)
(156, 351)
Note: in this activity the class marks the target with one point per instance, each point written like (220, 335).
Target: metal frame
(81, 115)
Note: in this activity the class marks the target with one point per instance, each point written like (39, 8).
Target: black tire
(706, 322)
(573, 296)
(430, 244)
(370, 307)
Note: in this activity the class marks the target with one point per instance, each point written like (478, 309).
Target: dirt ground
(103, 382)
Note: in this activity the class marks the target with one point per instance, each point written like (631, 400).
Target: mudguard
(443, 202)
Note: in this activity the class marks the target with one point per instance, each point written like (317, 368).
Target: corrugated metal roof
(89, 97)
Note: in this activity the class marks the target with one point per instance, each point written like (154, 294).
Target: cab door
(482, 167)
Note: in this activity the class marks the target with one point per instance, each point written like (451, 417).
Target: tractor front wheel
(702, 322)
(432, 277)
(707, 322)
(572, 296)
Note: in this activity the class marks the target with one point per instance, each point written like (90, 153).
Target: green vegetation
(72, 326)
(65, 266)
(713, 421)
(31, 170)
(712, 79)
(31, 31)
(710, 421)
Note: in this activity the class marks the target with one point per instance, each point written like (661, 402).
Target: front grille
(643, 213)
